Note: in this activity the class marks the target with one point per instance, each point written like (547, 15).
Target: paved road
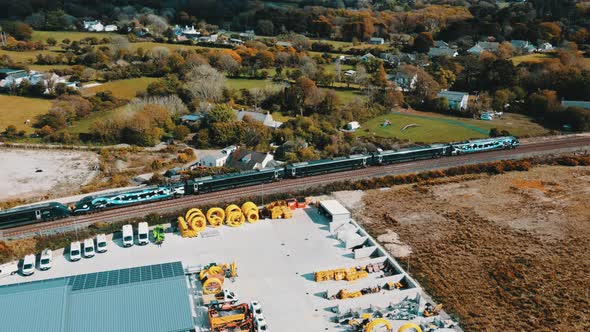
(527, 149)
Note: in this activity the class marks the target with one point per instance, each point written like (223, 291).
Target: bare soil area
(32, 173)
(502, 253)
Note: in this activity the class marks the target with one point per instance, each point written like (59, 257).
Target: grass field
(125, 89)
(432, 128)
(246, 83)
(83, 126)
(16, 110)
(71, 35)
(531, 58)
(24, 57)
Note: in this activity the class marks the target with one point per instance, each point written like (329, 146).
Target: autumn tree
(205, 83)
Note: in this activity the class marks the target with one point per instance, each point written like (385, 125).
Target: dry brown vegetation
(504, 252)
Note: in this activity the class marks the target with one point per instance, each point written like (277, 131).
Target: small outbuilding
(334, 211)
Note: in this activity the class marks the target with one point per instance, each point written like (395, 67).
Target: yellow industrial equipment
(212, 286)
(234, 216)
(184, 228)
(430, 310)
(196, 220)
(215, 216)
(250, 211)
(379, 322)
(343, 294)
(348, 274)
(410, 327)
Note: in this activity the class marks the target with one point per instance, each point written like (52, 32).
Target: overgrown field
(124, 89)
(502, 253)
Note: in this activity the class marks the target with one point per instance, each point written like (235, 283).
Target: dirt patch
(32, 173)
(505, 252)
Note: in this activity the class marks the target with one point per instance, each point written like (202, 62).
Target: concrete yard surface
(276, 261)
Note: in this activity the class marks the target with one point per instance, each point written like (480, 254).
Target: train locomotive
(95, 203)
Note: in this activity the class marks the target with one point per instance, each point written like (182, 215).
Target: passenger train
(90, 204)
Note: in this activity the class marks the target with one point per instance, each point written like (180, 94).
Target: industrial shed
(334, 211)
(147, 298)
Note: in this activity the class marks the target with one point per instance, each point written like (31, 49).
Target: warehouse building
(147, 298)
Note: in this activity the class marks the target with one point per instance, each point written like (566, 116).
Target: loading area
(316, 271)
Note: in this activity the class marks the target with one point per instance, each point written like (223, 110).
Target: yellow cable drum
(212, 286)
(379, 322)
(234, 216)
(410, 327)
(196, 219)
(250, 211)
(215, 216)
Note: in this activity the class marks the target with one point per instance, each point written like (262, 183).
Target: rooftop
(334, 207)
(156, 296)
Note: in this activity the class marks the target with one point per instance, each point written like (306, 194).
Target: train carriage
(233, 180)
(482, 145)
(33, 213)
(418, 153)
(123, 198)
(323, 166)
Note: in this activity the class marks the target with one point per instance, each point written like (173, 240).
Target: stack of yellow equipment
(250, 211)
(215, 216)
(234, 216)
(343, 294)
(341, 274)
(192, 223)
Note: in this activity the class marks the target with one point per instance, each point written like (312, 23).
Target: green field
(71, 35)
(531, 58)
(246, 83)
(125, 89)
(16, 110)
(83, 126)
(432, 128)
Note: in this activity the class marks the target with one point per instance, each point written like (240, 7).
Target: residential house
(245, 160)
(265, 119)
(481, 47)
(544, 47)
(15, 77)
(216, 158)
(409, 58)
(523, 46)
(390, 59)
(248, 35)
(458, 101)
(353, 126)
(186, 32)
(406, 81)
(93, 26)
(209, 39)
(576, 103)
(377, 41)
(12, 72)
(442, 52)
(191, 118)
(367, 57)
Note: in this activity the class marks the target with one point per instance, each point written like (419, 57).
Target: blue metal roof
(148, 298)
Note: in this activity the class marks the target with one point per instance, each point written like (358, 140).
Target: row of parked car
(87, 249)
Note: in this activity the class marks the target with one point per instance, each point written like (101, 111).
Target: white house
(246, 160)
(377, 41)
(405, 81)
(265, 119)
(49, 80)
(111, 28)
(544, 47)
(523, 46)
(216, 158)
(458, 101)
(350, 73)
(93, 26)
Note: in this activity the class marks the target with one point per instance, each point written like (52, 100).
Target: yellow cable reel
(182, 224)
(379, 322)
(212, 286)
(408, 326)
(191, 211)
(215, 216)
(250, 210)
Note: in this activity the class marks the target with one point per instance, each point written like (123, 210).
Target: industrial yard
(503, 253)
(306, 272)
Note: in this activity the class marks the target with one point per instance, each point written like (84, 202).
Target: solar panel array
(126, 276)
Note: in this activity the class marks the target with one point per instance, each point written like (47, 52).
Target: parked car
(28, 267)
(127, 236)
(101, 243)
(45, 260)
(75, 251)
(143, 233)
(88, 248)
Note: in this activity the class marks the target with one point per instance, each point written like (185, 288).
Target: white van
(45, 260)
(88, 248)
(8, 269)
(260, 324)
(127, 236)
(75, 251)
(28, 265)
(143, 233)
(256, 308)
(101, 243)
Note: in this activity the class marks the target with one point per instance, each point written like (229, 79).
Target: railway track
(565, 144)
